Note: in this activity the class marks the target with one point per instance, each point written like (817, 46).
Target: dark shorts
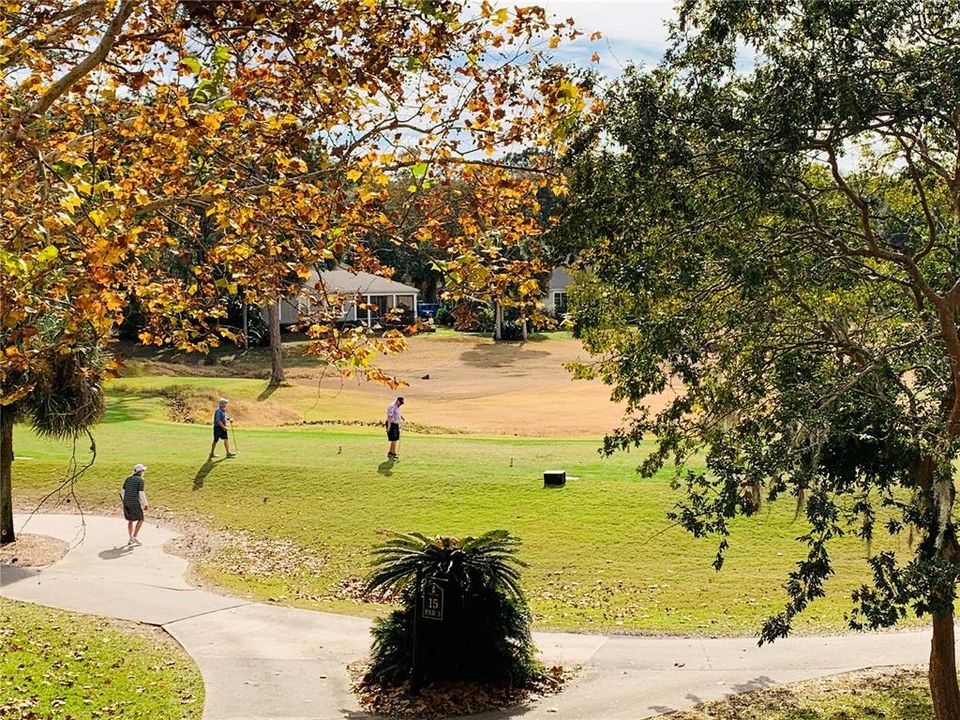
(393, 432)
(132, 512)
(219, 433)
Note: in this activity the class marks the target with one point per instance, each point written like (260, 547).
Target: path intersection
(266, 662)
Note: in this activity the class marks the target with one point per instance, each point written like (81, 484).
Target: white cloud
(633, 31)
(641, 22)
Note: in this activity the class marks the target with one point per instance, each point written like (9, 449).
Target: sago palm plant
(486, 561)
(485, 632)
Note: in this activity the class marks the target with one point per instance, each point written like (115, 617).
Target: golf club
(233, 431)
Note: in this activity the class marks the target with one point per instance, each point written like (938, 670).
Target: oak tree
(774, 217)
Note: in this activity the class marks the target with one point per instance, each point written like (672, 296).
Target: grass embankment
(600, 550)
(898, 695)
(55, 664)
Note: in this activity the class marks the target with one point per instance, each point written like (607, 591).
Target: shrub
(485, 633)
(444, 314)
(472, 316)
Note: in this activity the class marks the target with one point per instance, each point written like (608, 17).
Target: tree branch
(15, 126)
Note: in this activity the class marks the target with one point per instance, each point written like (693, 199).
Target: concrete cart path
(263, 661)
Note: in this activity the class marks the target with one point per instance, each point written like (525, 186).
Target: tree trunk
(943, 669)
(276, 346)
(942, 674)
(497, 321)
(6, 478)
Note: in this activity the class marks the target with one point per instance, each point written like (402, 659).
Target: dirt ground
(475, 385)
(455, 383)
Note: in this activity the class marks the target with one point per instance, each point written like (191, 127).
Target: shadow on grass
(539, 337)
(761, 682)
(502, 354)
(204, 470)
(900, 694)
(386, 467)
(123, 409)
(267, 392)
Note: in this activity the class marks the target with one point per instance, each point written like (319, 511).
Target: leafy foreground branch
(162, 161)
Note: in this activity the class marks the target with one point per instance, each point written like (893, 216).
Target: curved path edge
(267, 662)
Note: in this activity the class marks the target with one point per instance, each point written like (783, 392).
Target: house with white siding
(555, 300)
(378, 294)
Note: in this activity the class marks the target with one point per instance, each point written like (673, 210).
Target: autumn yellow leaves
(169, 158)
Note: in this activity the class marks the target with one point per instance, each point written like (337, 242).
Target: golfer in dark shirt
(220, 420)
(134, 502)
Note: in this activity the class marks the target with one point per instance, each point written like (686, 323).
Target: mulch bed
(34, 551)
(449, 700)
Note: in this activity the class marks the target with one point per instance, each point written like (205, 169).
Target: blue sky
(633, 31)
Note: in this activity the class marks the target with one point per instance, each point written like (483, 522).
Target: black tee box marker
(554, 478)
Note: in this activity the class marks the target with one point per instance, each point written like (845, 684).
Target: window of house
(381, 304)
(559, 302)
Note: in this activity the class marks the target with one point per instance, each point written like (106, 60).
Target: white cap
(139, 468)
(222, 401)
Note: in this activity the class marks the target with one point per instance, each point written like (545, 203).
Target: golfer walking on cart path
(134, 499)
(393, 423)
(220, 419)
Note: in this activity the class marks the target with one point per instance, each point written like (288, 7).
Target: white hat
(222, 401)
(139, 468)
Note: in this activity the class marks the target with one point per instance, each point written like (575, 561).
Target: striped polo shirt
(132, 487)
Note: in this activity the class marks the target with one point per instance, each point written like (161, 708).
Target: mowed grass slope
(902, 694)
(601, 552)
(55, 664)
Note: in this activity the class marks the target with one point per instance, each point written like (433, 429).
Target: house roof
(560, 279)
(347, 282)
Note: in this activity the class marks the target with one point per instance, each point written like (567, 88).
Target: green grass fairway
(56, 664)
(600, 551)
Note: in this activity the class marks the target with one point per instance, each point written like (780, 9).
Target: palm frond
(488, 560)
(67, 396)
